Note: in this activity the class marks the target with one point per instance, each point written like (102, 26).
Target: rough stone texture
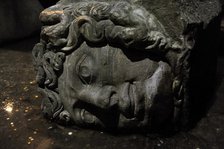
(19, 19)
(128, 64)
(177, 14)
(25, 122)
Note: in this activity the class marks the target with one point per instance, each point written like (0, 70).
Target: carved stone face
(107, 64)
(105, 87)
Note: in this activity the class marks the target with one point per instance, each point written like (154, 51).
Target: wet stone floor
(22, 125)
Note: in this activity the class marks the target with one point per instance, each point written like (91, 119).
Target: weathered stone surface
(19, 19)
(127, 64)
(20, 92)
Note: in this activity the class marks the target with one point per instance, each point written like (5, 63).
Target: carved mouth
(127, 99)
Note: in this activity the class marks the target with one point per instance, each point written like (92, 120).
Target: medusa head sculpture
(108, 65)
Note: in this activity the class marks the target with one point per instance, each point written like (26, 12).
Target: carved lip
(132, 98)
(127, 99)
(136, 97)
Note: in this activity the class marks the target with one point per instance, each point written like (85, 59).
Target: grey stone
(125, 64)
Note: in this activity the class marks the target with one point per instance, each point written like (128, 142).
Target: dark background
(24, 127)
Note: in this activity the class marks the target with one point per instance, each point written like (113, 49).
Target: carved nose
(102, 97)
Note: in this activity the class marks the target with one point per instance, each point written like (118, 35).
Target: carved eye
(85, 70)
(85, 74)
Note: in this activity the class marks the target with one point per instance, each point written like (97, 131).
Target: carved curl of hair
(117, 24)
